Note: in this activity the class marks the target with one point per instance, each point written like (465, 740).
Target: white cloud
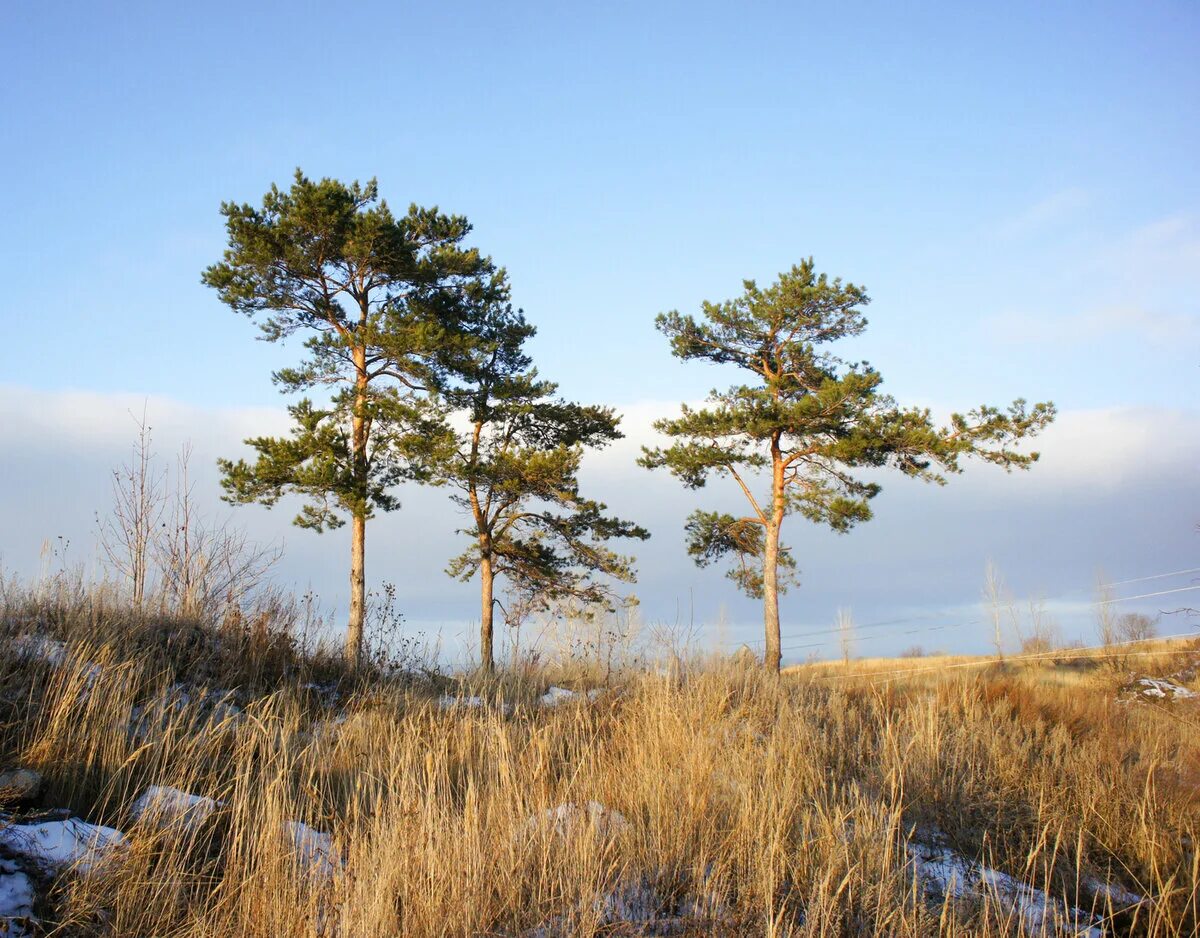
(1115, 488)
(1129, 323)
(1053, 210)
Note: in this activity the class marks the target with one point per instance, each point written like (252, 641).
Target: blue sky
(1016, 186)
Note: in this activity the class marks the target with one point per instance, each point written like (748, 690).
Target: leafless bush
(388, 649)
(595, 638)
(205, 567)
(126, 535)
(845, 629)
(1106, 618)
(1136, 627)
(1001, 611)
(1043, 634)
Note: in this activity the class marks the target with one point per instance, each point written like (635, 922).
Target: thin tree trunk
(487, 574)
(486, 577)
(358, 535)
(358, 589)
(771, 598)
(774, 652)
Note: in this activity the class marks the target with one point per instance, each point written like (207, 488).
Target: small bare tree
(1044, 634)
(205, 567)
(126, 535)
(1106, 619)
(1136, 627)
(845, 627)
(1000, 608)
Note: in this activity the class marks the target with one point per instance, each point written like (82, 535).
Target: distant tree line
(424, 372)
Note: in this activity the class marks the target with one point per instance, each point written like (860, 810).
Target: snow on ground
(314, 848)
(165, 806)
(950, 874)
(1117, 895)
(1158, 689)
(450, 702)
(214, 708)
(556, 695)
(56, 844)
(635, 902)
(16, 901)
(54, 653)
(567, 819)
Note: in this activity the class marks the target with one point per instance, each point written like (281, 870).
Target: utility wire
(1125, 599)
(932, 628)
(1156, 576)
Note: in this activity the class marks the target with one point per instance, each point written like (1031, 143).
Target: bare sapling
(127, 534)
(205, 567)
(999, 605)
(845, 628)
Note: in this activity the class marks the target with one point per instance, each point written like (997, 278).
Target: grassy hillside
(1031, 798)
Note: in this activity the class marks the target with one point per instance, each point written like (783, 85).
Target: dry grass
(782, 806)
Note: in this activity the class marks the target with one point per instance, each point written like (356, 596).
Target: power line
(1125, 599)
(1156, 576)
(932, 628)
(868, 625)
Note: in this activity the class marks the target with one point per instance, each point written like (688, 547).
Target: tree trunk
(486, 576)
(358, 535)
(771, 598)
(358, 589)
(771, 560)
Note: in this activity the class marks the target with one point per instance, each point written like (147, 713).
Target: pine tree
(515, 471)
(378, 299)
(806, 420)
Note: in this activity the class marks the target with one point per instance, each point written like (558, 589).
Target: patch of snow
(328, 690)
(167, 806)
(1159, 689)
(556, 695)
(450, 702)
(213, 708)
(223, 711)
(631, 901)
(54, 653)
(16, 901)
(952, 875)
(567, 819)
(56, 844)
(635, 902)
(328, 729)
(314, 848)
(1114, 893)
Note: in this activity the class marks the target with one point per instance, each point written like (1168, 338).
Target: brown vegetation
(752, 805)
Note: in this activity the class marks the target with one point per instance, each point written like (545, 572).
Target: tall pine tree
(515, 471)
(806, 420)
(378, 298)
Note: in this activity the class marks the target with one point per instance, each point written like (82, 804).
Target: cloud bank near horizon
(1116, 490)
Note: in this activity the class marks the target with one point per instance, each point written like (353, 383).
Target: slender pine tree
(807, 420)
(515, 473)
(378, 298)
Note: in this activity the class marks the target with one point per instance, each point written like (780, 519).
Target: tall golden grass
(754, 806)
